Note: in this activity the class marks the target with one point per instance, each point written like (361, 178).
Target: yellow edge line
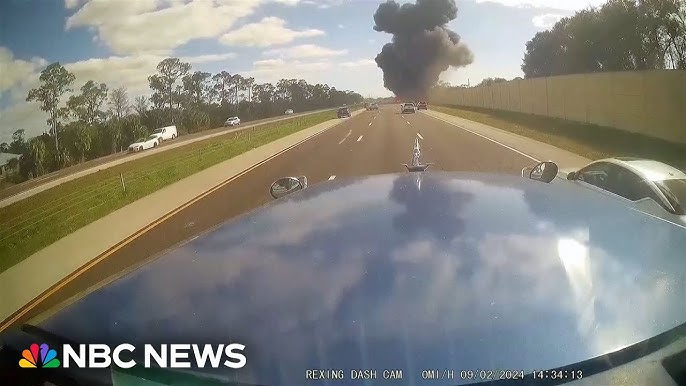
(69, 278)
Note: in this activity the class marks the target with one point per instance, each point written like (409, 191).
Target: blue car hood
(410, 272)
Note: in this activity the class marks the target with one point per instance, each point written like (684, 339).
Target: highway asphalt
(374, 142)
(93, 164)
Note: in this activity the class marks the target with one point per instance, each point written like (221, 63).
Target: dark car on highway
(343, 112)
(372, 106)
(421, 105)
(405, 273)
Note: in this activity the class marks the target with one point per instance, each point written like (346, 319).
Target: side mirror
(287, 185)
(544, 171)
(572, 176)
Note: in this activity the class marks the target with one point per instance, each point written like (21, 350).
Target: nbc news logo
(164, 356)
(39, 357)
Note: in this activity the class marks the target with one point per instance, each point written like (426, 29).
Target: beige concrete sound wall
(647, 102)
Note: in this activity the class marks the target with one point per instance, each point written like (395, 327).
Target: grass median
(590, 141)
(38, 221)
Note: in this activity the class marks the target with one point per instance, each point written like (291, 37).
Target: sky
(119, 42)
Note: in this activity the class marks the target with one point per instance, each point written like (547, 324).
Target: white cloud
(152, 26)
(365, 79)
(14, 71)
(268, 63)
(208, 58)
(359, 63)
(341, 26)
(547, 20)
(130, 71)
(569, 5)
(272, 70)
(267, 32)
(322, 4)
(305, 51)
(23, 115)
(70, 4)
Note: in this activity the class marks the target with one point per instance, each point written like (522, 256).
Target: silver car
(641, 183)
(408, 108)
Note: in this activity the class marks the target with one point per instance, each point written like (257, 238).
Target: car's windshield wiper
(48, 337)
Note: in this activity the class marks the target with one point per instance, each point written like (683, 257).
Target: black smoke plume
(421, 48)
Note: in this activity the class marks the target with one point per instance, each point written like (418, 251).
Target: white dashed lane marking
(359, 139)
(346, 137)
(420, 136)
(369, 124)
(332, 177)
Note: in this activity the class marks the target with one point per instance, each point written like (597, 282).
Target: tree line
(621, 35)
(96, 121)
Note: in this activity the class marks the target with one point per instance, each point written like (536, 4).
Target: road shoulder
(537, 151)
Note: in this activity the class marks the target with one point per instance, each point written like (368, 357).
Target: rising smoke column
(421, 48)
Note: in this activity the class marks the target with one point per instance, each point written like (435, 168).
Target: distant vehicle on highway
(288, 112)
(408, 108)
(372, 106)
(144, 143)
(639, 183)
(165, 133)
(344, 112)
(233, 121)
(421, 105)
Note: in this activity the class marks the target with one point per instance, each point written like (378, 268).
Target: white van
(165, 133)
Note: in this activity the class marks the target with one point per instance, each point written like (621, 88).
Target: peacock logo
(48, 357)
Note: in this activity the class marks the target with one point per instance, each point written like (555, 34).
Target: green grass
(588, 141)
(38, 221)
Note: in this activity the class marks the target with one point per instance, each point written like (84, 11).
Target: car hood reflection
(465, 271)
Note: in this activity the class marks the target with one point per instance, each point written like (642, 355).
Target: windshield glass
(158, 131)
(152, 137)
(675, 191)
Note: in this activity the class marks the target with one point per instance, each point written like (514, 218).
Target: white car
(288, 112)
(408, 108)
(640, 183)
(144, 143)
(233, 121)
(165, 133)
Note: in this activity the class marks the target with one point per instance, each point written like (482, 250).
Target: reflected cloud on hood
(380, 274)
(428, 208)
